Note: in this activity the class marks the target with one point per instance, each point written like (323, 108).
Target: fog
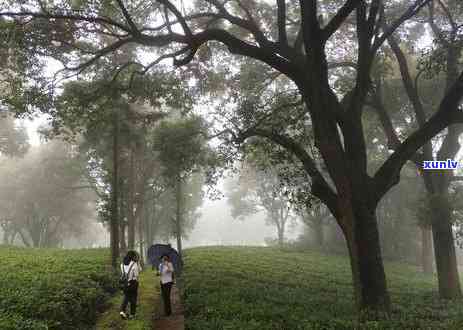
(217, 227)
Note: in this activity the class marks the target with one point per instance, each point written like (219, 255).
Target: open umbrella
(156, 251)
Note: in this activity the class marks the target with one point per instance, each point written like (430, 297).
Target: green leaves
(53, 289)
(264, 288)
(182, 147)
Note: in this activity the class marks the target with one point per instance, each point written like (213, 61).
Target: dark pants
(165, 290)
(130, 296)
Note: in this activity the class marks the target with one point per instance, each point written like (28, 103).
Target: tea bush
(265, 288)
(53, 289)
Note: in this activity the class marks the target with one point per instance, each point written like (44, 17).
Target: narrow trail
(148, 301)
(150, 312)
(174, 322)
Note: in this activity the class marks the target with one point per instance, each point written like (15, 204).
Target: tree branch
(409, 13)
(320, 187)
(282, 35)
(179, 16)
(449, 16)
(449, 112)
(128, 18)
(311, 32)
(435, 29)
(73, 17)
(334, 24)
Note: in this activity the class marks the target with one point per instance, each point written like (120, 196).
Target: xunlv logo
(440, 164)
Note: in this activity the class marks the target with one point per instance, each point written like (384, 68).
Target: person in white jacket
(131, 268)
(166, 271)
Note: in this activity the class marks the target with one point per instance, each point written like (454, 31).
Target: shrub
(267, 288)
(53, 289)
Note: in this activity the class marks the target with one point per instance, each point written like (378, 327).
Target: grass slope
(263, 288)
(148, 294)
(52, 289)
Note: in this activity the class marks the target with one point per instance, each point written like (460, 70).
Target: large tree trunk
(444, 248)
(122, 211)
(437, 185)
(150, 215)
(146, 227)
(426, 249)
(123, 240)
(368, 274)
(131, 202)
(114, 224)
(178, 220)
(141, 231)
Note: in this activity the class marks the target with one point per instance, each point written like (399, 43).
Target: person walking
(131, 270)
(166, 271)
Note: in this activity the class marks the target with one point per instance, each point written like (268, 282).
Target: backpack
(124, 279)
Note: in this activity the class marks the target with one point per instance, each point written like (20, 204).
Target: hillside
(263, 288)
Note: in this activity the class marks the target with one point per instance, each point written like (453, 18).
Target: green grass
(53, 289)
(264, 288)
(148, 296)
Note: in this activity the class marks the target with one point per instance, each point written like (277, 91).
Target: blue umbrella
(156, 251)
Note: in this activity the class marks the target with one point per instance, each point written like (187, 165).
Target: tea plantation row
(263, 288)
(52, 289)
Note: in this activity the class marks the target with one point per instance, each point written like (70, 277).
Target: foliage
(264, 288)
(13, 139)
(53, 289)
(182, 147)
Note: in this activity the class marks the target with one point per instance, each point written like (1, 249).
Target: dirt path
(176, 321)
(148, 293)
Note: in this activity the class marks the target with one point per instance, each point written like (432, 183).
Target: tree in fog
(113, 138)
(424, 93)
(260, 190)
(13, 143)
(13, 138)
(315, 219)
(183, 151)
(45, 196)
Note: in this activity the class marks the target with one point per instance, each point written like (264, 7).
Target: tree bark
(141, 231)
(437, 186)
(426, 249)
(122, 215)
(131, 203)
(122, 237)
(178, 220)
(444, 248)
(150, 216)
(114, 224)
(369, 279)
